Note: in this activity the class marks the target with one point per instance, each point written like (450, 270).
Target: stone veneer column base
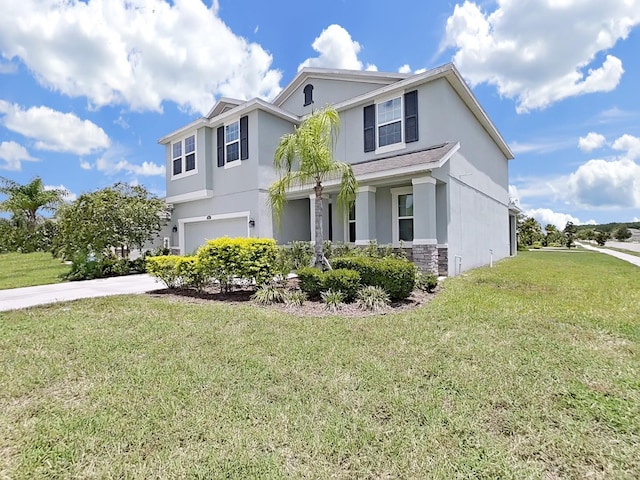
(443, 261)
(426, 258)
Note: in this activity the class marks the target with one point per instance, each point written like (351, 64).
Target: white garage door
(197, 233)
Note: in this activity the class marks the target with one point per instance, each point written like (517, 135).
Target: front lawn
(30, 269)
(527, 370)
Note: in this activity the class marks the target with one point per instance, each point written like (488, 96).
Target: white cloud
(514, 196)
(53, 130)
(591, 142)
(337, 50)
(546, 216)
(606, 184)
(113, 161)
(135, 52)
(12, 154)
(85, 165)
(406, 68)
(539, 145)
(524, 48)
(628, 144)
(69, 195)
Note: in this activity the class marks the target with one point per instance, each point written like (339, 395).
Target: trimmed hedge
(176, 271)
(396, 276)
(253, 259)
(311, 281)
(342, 280)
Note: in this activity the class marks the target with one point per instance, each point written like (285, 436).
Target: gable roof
(222, 105)
(451, 74)
(365, 76)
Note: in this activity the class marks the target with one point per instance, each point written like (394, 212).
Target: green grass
(527, 370)
(29, 269)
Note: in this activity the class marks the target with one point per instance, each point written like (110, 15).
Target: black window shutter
(220, 142)
(411, 116)
(244, 138)
(369, 128)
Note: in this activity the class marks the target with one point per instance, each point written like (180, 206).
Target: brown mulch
(310, 308)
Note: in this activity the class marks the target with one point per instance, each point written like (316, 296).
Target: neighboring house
(431, 166)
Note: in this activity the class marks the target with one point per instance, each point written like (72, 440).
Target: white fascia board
(190, 197)
(200, 122)
(336, 74)
(253, 104)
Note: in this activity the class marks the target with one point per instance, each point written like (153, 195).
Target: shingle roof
(429, 157)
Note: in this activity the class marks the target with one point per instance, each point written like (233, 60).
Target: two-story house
(431, 166)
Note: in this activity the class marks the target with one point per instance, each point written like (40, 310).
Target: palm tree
(24, 201)
(305, 158)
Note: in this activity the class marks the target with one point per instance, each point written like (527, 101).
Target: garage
(195, 232)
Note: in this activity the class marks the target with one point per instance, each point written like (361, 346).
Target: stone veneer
(426, 258)
(443, 261)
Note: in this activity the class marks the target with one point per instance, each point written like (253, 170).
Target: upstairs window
(183, 156)
(308, 95)
(233, 142)
(391, 123)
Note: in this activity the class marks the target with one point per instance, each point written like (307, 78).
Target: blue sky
(87, 88)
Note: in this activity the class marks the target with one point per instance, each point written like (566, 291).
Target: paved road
(15, 298)
(633, 246)
(622, 256)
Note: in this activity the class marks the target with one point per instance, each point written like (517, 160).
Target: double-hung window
(351, 222)
(391, 123)
(402, 215)
(233, 142)
(183, 156)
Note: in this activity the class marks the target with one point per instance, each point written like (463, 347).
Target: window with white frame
(232, 141)
(351, 223)
(389, 122)
(183, 156)
(402, 213)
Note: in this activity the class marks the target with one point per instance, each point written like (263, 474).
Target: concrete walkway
(15, 298)
(622, 256)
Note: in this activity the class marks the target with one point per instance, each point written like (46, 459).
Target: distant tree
(24, 201)
(117, 217)
(622, 233)
(586, 234)
(554, 237)
(529, 231)
(602, 237)
(570, 231)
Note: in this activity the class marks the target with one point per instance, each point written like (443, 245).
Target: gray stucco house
(432, 168)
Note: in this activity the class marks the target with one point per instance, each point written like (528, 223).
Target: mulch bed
(310, 308)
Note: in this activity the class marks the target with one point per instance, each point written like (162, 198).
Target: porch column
(365, 215)
(425, 237)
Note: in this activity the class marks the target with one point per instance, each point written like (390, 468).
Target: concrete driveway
(622, 256)
(633, 246)
(15, 298)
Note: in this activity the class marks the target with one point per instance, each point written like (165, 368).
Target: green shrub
(426, 281)
(298, 254)
(165, 267)
(332, 300)
(372, 298)
(252, 259)
(396, 276)
(269, 294)
(311, 281)
(342, 280)
(84, 268)
(190, 274)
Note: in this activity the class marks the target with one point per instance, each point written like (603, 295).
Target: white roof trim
(306, 73)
